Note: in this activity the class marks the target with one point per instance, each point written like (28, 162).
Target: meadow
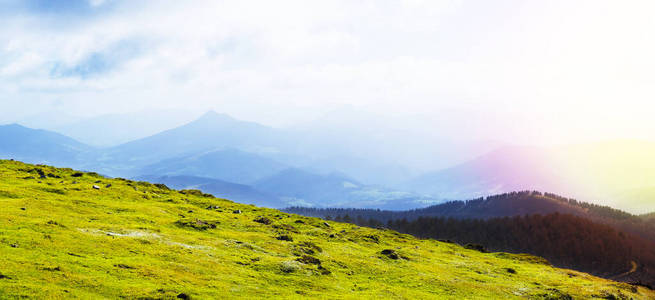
(68, 234)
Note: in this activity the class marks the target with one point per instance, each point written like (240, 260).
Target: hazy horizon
(513, 71)
(381, 91)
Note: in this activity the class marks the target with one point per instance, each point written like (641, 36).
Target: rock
(238, 211)
(203, 223)
(77, 174)
(300, 222)
(263, 220)
(183, 296)
(98, 181)
(555, 294)
(162, 186)
(13, 246)
(2, 276)
(286, 227)
(123, 266)
(324, 271)
(326, 224)
(198, 224)
(309, 260)
(372, 238)
(285, 238)
(390, 253)
(108, 185)
(23, 208)
(96, 187)
(510, 270)
(309, 248)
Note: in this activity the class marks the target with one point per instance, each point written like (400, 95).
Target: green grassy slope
(60, 239)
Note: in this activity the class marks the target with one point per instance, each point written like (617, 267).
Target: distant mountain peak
(213, 115)
(14, 126)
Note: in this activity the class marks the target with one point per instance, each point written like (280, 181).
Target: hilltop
(68, 234)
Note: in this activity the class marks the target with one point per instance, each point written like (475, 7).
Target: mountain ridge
(40, 146)
(219, 188)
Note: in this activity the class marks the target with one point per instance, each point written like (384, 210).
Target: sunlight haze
(529, 72)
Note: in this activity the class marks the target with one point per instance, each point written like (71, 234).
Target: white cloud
(564, 68)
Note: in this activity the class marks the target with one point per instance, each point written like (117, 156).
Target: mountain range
(227, 164)
(210, 132)
(220, 147)
(257, 161)
(219, 188)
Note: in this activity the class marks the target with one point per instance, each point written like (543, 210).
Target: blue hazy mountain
(114, 129)
(228, 164)
(210, 132)
(41, 146)
(321, 149)
(219, 188)
(299, 187)
(287, 166)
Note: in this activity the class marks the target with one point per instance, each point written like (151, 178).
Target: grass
(60, 238)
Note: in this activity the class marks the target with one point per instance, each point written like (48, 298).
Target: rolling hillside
(79, 235)
(527, 222)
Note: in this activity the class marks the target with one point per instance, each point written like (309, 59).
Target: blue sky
(528, 71)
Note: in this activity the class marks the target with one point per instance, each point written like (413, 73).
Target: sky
(528, 72)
